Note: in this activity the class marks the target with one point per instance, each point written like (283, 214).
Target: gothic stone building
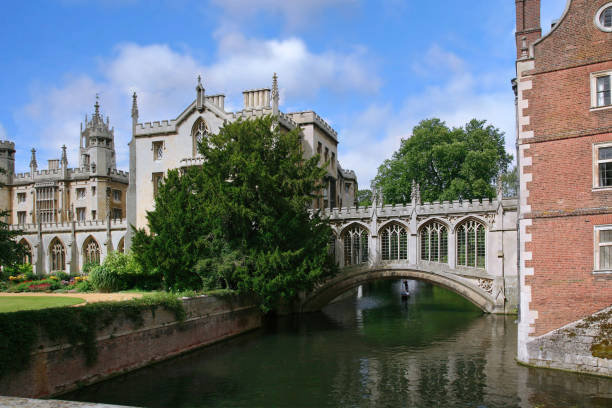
(72, 216)
(69, 216)
(159, 146)
(564, 118)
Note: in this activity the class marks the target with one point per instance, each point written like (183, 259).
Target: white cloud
(165, 79)
(456, 101)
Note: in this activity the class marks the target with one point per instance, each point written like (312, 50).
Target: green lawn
(16, 303)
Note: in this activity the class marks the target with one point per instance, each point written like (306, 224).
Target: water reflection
(432, 350)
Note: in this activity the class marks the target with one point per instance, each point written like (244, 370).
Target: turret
(528, 28)
(7, 161)
(33, 163)
(275, 95)
(134, 112)
(7, 164)
(97, 152)
(200, 95)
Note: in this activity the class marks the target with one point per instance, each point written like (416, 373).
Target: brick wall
(563, 287)
(121, 347)
(559, 205)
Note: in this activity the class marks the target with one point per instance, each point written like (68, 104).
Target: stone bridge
(468, 247)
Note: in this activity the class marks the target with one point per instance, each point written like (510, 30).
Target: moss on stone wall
(78, 326)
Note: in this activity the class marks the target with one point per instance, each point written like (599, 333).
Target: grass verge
(17, 303)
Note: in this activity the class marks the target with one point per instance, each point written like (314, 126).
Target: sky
(372, 69)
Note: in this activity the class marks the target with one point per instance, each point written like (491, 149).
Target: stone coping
(13, 402)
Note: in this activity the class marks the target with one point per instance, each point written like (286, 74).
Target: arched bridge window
(394, 243)
(355, 245)
(434, 242)
(58, 255)
(27, 254)
(471, 244)
(91, 251)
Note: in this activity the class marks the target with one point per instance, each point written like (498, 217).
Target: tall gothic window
(91, 251)
(355, 245)
(45, 204)
(471, 244)
(27, 256)
(394, 243)
(57, 253)
(199, 132)
(434, 242)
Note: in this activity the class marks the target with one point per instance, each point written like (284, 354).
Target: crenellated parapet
(69, 174)
(7, 145)
(80, 226)
(306, 117)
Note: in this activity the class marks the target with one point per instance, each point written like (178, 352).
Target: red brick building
(564, 120)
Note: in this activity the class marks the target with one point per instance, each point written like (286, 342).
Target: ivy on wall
(20, 332)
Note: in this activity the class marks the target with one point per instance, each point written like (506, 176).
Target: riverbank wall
(584, 346)
(55, 368)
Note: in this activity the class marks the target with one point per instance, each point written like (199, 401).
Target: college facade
(564, 142)
(73, 216)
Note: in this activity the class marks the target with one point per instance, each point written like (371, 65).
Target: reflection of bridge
(467, 247)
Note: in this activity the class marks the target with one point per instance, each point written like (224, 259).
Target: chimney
(257, 98)
(528, 28)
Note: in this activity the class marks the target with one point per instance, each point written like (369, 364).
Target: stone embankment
(121, 347)
(584, 346)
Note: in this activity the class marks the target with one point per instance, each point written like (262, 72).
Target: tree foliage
(11, 252)
(364, 197)
(448, 164)
(510, 182)
(240, 220)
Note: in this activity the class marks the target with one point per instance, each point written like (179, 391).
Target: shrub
(24, 269)
(84, 286)
(61, 275)
(121, 271)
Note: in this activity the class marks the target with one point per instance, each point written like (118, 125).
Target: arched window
(121, 245)
(58, 255)
(355, 245)
(471, 244)
(91, 251)
(394, 243)
(332, 246)
(198, 133)
(27, 256)
(434, 242)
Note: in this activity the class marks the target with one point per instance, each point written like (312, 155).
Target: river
(370, 349)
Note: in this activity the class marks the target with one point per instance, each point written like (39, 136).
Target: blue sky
(372, 69)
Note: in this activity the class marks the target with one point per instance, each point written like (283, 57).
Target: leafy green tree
(510, 183)
(11, 252)
(364, 197)
(241, 220)
(448, 164)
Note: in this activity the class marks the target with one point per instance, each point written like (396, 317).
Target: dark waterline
(370, 349)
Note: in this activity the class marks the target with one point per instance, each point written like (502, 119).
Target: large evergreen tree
(241, 219)
(449, 164)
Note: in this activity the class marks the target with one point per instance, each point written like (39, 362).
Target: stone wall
(58, 368)
(584, 346)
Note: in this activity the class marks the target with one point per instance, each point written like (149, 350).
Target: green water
(434, 350)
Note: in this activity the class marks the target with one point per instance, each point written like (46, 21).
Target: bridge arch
(350, 279)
